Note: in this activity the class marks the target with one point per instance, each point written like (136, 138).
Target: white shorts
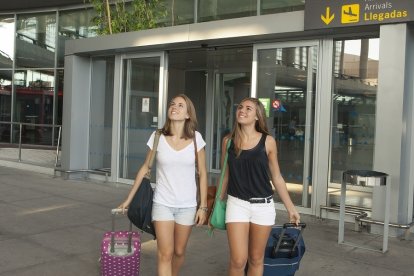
(239, 210)
(183, 216)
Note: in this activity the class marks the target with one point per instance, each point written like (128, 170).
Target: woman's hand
(294, 216)
(201, 216)
(124, 206)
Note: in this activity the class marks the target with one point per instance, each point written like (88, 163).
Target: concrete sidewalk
(50, 226)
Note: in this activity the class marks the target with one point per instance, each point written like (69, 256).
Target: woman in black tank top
(252, 163)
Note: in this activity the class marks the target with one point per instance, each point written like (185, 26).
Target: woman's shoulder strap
(263, 140)
(228, 142)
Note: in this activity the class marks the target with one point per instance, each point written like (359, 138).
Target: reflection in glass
(178, 12)
(210, 10)
(59, 99)
(34, 96)
(353, 111)
(229, 90)
(194, 83)
(100, 126)
(58, 105)
(5, 104)
(7, 27)
(284, 81)
(232, 83)
(36, 40)
(34, 104)
(74, 24)
(139, 111)
(278, 6)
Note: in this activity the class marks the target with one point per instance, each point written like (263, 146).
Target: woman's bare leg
(165, 246)
(238, 235)
(181, 236)
(258, 236)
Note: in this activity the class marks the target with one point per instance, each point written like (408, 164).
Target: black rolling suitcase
(284, 250)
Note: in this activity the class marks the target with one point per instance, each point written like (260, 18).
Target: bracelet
(205, 209)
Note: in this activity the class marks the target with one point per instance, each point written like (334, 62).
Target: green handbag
(218, 215)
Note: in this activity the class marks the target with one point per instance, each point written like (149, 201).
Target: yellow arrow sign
(328, 17)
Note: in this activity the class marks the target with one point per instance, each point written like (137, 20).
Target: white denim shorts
(239, 210)
(183, 216)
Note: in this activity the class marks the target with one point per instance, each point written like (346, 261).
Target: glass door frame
(117, 105)
(316, 46)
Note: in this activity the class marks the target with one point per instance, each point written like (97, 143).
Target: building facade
(337, 98)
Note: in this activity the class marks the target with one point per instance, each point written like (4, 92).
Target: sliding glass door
(286, 84)
(142, 84)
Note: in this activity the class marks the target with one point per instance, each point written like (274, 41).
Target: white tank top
(175, 173)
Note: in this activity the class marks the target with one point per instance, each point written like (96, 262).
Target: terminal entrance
(217, 79)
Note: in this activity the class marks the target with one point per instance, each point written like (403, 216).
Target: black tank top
(249, 173)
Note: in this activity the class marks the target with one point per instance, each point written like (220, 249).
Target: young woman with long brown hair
(175, 205)
(252, 168)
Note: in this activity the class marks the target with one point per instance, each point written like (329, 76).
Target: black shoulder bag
(140, 209)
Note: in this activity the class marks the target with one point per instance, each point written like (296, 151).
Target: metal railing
(103, 171)
(10, 133)
(361, 216)
(22, 136)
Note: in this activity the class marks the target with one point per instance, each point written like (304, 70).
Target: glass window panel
(353, 112)
(59, 98)
(209, 10)
(193, 84)
(178, 12)
(74, 24)
(231, 68)
(34, 96)
(5, 104)
(36, 40)
(278, 6)
(7, 27)
(34, 104)
(100, 127)
(58, 104)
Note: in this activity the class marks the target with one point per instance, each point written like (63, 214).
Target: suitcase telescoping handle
(290, 225)
(115, 212)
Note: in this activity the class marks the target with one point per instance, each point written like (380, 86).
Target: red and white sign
(276, 104)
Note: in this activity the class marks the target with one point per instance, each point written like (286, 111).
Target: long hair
(190, 125)
(260, 125)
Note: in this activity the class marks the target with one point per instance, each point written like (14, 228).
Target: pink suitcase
(120, 251)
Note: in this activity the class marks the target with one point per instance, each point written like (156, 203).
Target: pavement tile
(72, 241)
(19, 253)
(65, 267)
